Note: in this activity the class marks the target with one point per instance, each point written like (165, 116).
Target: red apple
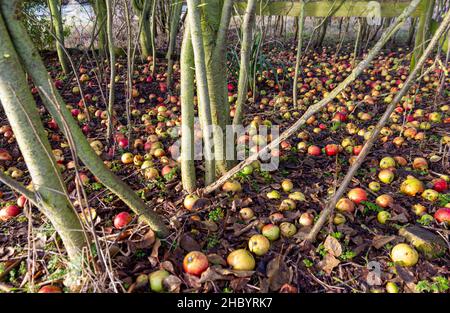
(9, 212)
(50, 289)
(122, 219)
(195, 263)
(122, 142)
(21, 201)
(440, 185)
(331, 149)
(357, 195)
(314, 150)
(442, 215)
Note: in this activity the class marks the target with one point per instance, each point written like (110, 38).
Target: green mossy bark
(34, 66)
(23, 116)
(58, 27)
(187, 113)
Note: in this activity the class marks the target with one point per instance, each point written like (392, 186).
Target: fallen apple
(287, 185)
(156, 280)
(404, 255)
(271, 231)
(386, 176)
(306, 219)
(357, 195)
(345, 205)
(195, 263)
(189, 201)
(384, 201)
(259, 245)
(246, 214)
(122, 219)
(442, 215)
(288, 229)
(411, 186)
(383, 217)
(241, 260)
(50, 289)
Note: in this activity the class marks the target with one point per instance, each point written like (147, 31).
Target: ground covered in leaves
(351, 254)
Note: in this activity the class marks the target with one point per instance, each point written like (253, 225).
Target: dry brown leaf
(379, 241)
(172, 284)
(278, 274)
(332, 246)
(328, 263)
(189, 244)
(147, 240)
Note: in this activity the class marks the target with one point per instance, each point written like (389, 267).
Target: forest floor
(353, 256)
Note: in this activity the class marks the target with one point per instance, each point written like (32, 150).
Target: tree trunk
(247, 34)
(204, 106)
(100, 13)
(143, 11)
(112, 67)
(301, 23)
(187, 113)
(58, 27)
(23, 117)
(423, 30)
(34, 66)
(174, 23)
(215, 22)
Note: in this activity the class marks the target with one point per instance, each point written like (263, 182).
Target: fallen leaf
(216, 259)
(172, 284)
(189, 244)
(332, 246)
(328, 263)
(379, 241)
(147, 240)
(278, 274)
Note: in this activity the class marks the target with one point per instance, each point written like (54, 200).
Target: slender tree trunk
(376, 131)
(153, 35)
(202, 88)
(58, 27)
(112, 67)
(215, 21)
(143, 11)
(23, 116)
(411, 32)
(301, 23)
(358, 40)
(247, 34)
(321, 104)
(174, 23)
(100, 12)
(34, 66)
(423, 30)
(187, 113)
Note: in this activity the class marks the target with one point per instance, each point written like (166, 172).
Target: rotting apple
(259, 244)
(241, 260)
(411, 186)
(156, 280)
(357, 195)
(442, 215)
(195, 263)
(306, 219)
(246, 214)
(271, 231)
(384, 201)
(189, 201)
(345, 205)
(288, 229)
(404, 255)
